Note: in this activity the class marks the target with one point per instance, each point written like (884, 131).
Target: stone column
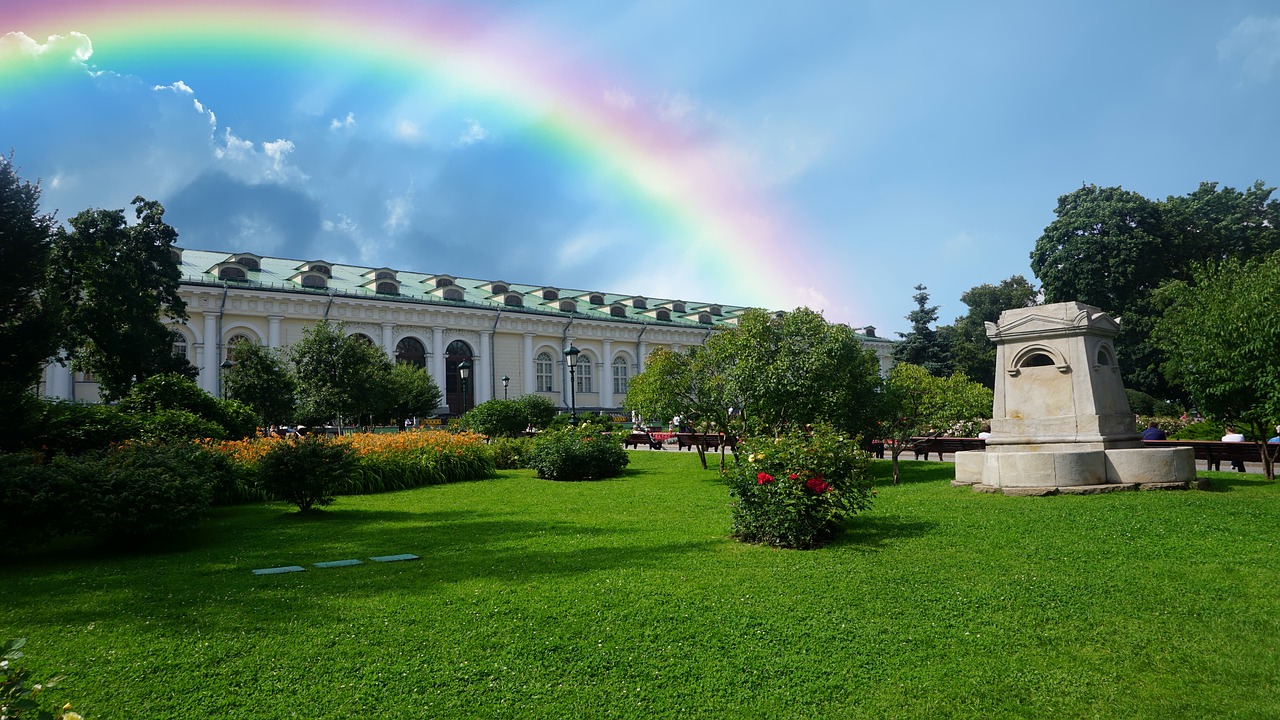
(640, 351)
(606, 376)
(209, 369)
(484, 376)
(58, 381)
(273, 330)
(388, 340)
(528, 364)
(437, 356)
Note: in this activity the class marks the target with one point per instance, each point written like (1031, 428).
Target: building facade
(503, 330)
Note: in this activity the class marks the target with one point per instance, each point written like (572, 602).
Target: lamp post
(505, 381)
(222, 385)
(464, 372)
(571, 358)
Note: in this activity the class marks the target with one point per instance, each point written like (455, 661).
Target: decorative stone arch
(183, 341)
(1104, 355)
(1037, 355)
(362, 337)
(412, 350)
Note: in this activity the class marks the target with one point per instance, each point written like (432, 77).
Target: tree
(972, 353)
(414, 392)
(28, 313)
(1221, 337)
(340, 377)
(261, 379)
(690, 383)
(922, 346)
(117, 282)
(914, 403)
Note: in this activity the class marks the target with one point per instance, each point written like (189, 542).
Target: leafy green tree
(28, 314)
(117, 282)
(340, 377)
(691, 383)
(496, 418)
(1215, 222)
(1221, 338)
(915, 403)
(923, 346)
(538, 411)
(972, 353)
(172, 406)
(261, 379)
(414, 392)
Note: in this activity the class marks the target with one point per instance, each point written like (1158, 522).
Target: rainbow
(698, 197)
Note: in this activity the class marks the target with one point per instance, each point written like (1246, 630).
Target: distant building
(434, 321)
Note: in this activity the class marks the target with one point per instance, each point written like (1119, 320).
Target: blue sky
(911, 142)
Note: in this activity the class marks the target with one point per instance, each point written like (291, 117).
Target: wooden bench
(1213, 452)
(709, 441)
(925, 445)
(636, 439)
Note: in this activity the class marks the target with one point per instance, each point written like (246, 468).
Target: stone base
(1081, 472)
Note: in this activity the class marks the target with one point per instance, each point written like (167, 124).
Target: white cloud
(278, 152)
(269, 164)
(1255, 42)
(580, 249)
(399, 209)
(619, 98)
(344, 124)
(76, 47)
(369, 248)
(233, 148)
(675, 107)
(473, 134)
(176, 87)
(407, 130)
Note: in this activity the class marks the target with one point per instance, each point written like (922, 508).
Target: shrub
(33, 495)
(510, 453)
(175, 425)
(74, 428)
(169, 392)
(538, 411)
(306, 473)
(795, 490)
(237, 419)
(497, 418)
(144, 490)
(1202, 430)
(576, 454)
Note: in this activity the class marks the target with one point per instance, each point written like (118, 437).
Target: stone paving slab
(278, 570)
(338, 563)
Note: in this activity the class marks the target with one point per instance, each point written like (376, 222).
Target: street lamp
(505, 381)
(571, 358)
(464, 372)
(226, 365)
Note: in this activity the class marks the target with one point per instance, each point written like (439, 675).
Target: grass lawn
(625, 598)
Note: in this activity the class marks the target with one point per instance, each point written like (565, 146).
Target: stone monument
(1060, 419)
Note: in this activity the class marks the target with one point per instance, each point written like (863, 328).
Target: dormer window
(568, 306)
(677, 306)
(550, 294)
(249, 262)
(715, 310)
(232, 273)
(384, 275)
(452, 293)
(595, 299)
(388, 288)
(704, 318)
(443, 282)
(639, 303)
(314, 280)
(320, 267)
(499, 288)
(513, 299)
(617, 310)
(662, 314)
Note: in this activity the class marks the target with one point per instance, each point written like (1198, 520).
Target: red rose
(817, 485)
(764, 478)
(793, 476)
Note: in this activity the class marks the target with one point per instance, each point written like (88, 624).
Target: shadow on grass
(873, 532)
(1226, 481)
(912, 471)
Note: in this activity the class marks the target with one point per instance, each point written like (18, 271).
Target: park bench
(1213, 452)
(709, 441)
(636, 439)
(926, 445)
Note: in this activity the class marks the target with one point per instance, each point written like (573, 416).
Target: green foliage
(28, 310)
(922, 346)
(33, 495)
(538, 411)
(795, 490)
(414, 393)
(307, 473)
(75, 428)
(17, 698)
(576, 454)
(117, 282)
(262, 380)
(510, 453)
(1203, 430)
(1221, 338)
(340, 377)
(174, 425)
(173, 407)
(497, 418)
(596, 423)
(914, 403)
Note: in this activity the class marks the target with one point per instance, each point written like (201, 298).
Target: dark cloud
(216, 211)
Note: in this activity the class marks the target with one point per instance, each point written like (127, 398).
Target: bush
(1202, 430)
(142, 491)
(576, 454)
(174, 425)
(237, 419)
(306, 473)
(538, 411)
(795, 491)
(510, 453)
(74, 428)
(497, 418)
(169, 392)
(34, 496)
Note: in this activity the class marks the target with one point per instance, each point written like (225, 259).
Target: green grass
(625, 598)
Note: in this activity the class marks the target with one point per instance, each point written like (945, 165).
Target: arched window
(1037, 360)
(248, 262)
(617, 311)
(388, 288)
(411, 352)
(550, 294)
(583, 373)
(313, 281)
(231, 345)
(452, 293)
(513, 300)
(499, 289)
(568, 306)
(663, 314)
(677, 306)
(621, 375)
(704, 318)
(235, 274)
(1104, 357)
(596, 299)
(384, 275)
(715, 310)
(459, 397)
(179, 345)
(543, 370)
(324, 270)
(363, 338)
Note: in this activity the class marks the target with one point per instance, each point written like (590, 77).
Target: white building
(503, 329)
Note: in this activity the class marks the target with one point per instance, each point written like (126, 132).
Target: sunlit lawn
(625, 598)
